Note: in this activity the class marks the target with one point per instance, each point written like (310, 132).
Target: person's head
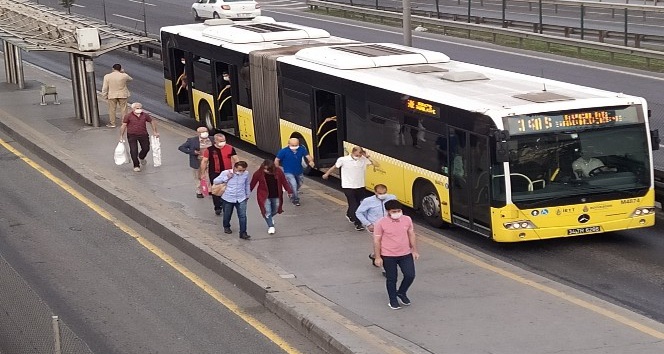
(393, 208)
(240, 167)
(380, 190)
(220, 140)
(357, 152)
(268, 166)
(137, 108)
(202, 132)
(226, 77)
(293, 143)
(117, 67)
(183, 61)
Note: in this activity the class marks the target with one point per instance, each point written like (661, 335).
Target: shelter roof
(34, 27)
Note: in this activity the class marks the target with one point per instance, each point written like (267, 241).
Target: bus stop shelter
(28, 26)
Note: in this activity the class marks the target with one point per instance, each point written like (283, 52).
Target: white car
(232, 9)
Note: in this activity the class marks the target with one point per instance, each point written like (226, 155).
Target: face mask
(221, 144)
(355, 157)
(294, 147)
(183, 62)
(227, 78)
(138, 111)
(204, 135)
(396, 216)
(381, 196)
(239, 173)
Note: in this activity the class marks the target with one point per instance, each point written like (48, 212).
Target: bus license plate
(583, 230)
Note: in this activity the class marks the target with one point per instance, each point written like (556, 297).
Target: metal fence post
(56, 334)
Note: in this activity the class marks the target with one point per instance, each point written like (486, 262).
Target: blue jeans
(407, 265)
(271, 207)
(295, 182)
(241, 214)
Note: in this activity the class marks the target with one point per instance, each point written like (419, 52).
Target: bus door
(223, 96)
(469, 181)
(326, 127)
(180, 80)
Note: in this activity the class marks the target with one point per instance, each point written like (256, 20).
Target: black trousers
(133, 141)
(216, 201)
(354, 197)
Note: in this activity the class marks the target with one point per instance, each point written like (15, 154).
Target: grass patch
(630, 61)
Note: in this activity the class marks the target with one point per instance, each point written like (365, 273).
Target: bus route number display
(422, 107)
(556, 121)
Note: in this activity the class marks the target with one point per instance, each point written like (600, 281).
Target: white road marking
(141, 2)
(128, 18)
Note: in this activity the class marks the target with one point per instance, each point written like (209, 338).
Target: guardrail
(447, 26)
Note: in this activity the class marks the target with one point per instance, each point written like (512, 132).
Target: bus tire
(205, 115)
(428, 204)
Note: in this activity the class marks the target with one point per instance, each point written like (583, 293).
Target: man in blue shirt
(235, 196)
(372, 209)
(290, 158)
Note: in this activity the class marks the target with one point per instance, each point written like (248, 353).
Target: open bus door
(327, 127)
(469, 181)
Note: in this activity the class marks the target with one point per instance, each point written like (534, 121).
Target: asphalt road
(113, 293)
(626, 268)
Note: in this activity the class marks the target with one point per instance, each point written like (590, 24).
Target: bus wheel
(428, 203)
(205, 116)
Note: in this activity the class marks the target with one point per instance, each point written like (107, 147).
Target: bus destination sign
(560, 121)
(419, 106)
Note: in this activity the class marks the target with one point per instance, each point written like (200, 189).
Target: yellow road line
(507, 274)
(198, 281)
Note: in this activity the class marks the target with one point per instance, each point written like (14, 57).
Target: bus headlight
(641, 211)
(521, 224)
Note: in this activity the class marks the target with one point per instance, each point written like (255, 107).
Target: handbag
(155, 144)
(120, 154)
(204, 187)
(218, 189)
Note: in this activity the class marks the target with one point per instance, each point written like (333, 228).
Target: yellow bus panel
(578, 219)
(170, 97)
(199, 96)
(245, 119)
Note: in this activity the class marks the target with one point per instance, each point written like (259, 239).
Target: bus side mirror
(654, 139)
(502, 151)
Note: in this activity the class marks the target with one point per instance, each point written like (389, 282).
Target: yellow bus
(509, 156)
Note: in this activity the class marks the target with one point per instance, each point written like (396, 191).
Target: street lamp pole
(407, 31)
(145, 24)
(103, 4)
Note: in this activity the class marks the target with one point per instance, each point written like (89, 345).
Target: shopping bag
(155, 146)
(204, 187)
(218, 189)
(120, 155)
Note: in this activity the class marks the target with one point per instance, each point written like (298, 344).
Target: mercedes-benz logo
(583, 218)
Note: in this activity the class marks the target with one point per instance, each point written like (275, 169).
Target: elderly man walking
(115, 91)
(193, 147)
(134, 123)
(217, 158)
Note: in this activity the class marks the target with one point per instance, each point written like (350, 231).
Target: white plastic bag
(120, 155)
(155, 146)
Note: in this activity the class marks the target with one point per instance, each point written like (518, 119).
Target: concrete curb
(327, 328)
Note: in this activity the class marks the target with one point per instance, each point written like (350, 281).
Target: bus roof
(260, 33)
(494, 92)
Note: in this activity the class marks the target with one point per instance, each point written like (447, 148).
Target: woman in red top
(271, 183)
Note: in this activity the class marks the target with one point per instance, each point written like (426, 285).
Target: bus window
(244, 85)
(326, 126)
(202, 80)
(223, 95)
(181, 85)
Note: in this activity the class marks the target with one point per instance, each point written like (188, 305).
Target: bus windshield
(586, 165)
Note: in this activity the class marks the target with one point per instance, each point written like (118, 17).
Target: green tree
(67, 4)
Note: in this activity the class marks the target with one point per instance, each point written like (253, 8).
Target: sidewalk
(314, 272)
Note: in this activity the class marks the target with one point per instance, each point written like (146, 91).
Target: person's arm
(378, 234)
(153, 122)
(276, 162)
(104, 88)
(360, 213)
(371, 161)
(278, 158)
(326, 175)
(254, 180)
(247, 188)
(223, 177)
(310, 160)
(123, 129)
(203, 169)
(234, 157)
(413, 241)
(129, 78)
(282, 178)
(186, 148)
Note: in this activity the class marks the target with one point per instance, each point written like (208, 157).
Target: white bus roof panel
(494, 95)
(373, 55)
(263, 32)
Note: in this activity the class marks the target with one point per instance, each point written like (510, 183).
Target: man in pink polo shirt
(395, 245)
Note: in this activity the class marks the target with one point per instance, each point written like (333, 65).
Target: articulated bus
(509, 156)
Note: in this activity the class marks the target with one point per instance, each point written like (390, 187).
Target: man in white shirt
(585, 164)
(353, 168)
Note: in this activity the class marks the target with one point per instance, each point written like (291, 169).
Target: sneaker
(271, 230)
(394, 305)
(199, 195)
(296, 203)
(137, 169)
(359, 227)
(245, 236)
(228, 230)
(109, 125)
(349, 219)
(403, 299)
(143, 162)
